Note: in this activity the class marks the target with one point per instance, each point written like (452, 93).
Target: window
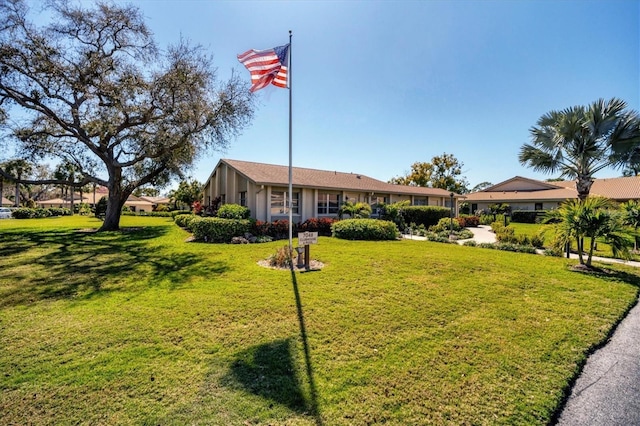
(420, 201)
(328, 203)
(243, 198)
(223, 198)
(279, 201)
(538, 206)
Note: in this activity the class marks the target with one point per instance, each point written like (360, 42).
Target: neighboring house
(135, 204)
(530, 194)
(156, 201)
(6, 203)
(263, 189)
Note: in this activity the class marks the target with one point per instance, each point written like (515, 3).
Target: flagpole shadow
(314, 408)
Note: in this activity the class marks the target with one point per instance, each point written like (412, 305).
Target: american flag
(269, 66)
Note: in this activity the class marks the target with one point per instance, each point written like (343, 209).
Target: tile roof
(270, 174)
(622, 188)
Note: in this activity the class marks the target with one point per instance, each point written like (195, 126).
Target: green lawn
(141, 327)
(602, 249)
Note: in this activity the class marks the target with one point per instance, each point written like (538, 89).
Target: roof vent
(358, 176)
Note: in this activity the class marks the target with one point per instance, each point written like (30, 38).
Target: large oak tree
(92, 89)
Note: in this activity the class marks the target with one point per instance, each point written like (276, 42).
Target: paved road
(607, 392)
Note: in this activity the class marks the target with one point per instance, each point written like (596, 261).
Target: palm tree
(580, 141)
(18, 168)
(631, 212)
(593, 218)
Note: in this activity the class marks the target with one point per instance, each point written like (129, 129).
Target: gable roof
(5, 202)
(622, 188)
(276, 175)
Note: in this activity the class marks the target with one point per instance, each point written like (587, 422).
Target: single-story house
(263, 188)
(6, 203)
(156, 201)
(530, 194)
(135, 204)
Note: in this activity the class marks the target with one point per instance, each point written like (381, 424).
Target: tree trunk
(591, 248)
(583, 186)
(17, 200)
(580, 251)
(114, 209)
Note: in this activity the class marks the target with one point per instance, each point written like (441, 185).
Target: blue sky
(379, 85)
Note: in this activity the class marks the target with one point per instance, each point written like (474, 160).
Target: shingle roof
(270, 174)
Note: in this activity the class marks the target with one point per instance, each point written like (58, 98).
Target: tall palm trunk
(583, 186)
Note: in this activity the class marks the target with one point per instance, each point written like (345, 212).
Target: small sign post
(304, 239)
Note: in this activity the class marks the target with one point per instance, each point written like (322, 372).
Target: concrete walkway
(607, 392)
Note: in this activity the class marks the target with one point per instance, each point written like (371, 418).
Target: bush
(445, 224)
(365, 229)
(278, 230)
(23, 213)
(282, 258)
(233, 211)
(526, 216)
(468, 221)
(425, 215)
(320, 225)
(486, 219)
(41, 213)
(508, 247)
(181, 219)
(537, 241)
(101, 208)
(218, 230)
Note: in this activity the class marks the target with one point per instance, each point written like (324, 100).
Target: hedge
(424, 215)
(365, 229)
(218, 230)
(527, 216)
(320, 225)
(27, 213)
(233, 211)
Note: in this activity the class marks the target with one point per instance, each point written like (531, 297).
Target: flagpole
(290, 158)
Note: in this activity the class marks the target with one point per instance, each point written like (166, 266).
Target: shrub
(468, 221)
(395, 213)
(470, 243)
(101, 208)
(162, 208)
(555, 252)
(508, 247)
(233, 211)
(486, 219)
(181, 219)
(526, 216)
(278, 230)
(537, 241)
(424, 215)
(355, 211)
(179, 212)
(445, 224)
(218, 230)
(282, 258)
(320, 225)
(40, 213)
(23, 213)
(365, 229)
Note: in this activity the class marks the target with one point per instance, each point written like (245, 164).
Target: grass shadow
(268, 370)
(313, 403)
(76, 264)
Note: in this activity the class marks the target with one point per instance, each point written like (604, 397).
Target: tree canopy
(580, 141)
(444, 171)
(92, 89)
